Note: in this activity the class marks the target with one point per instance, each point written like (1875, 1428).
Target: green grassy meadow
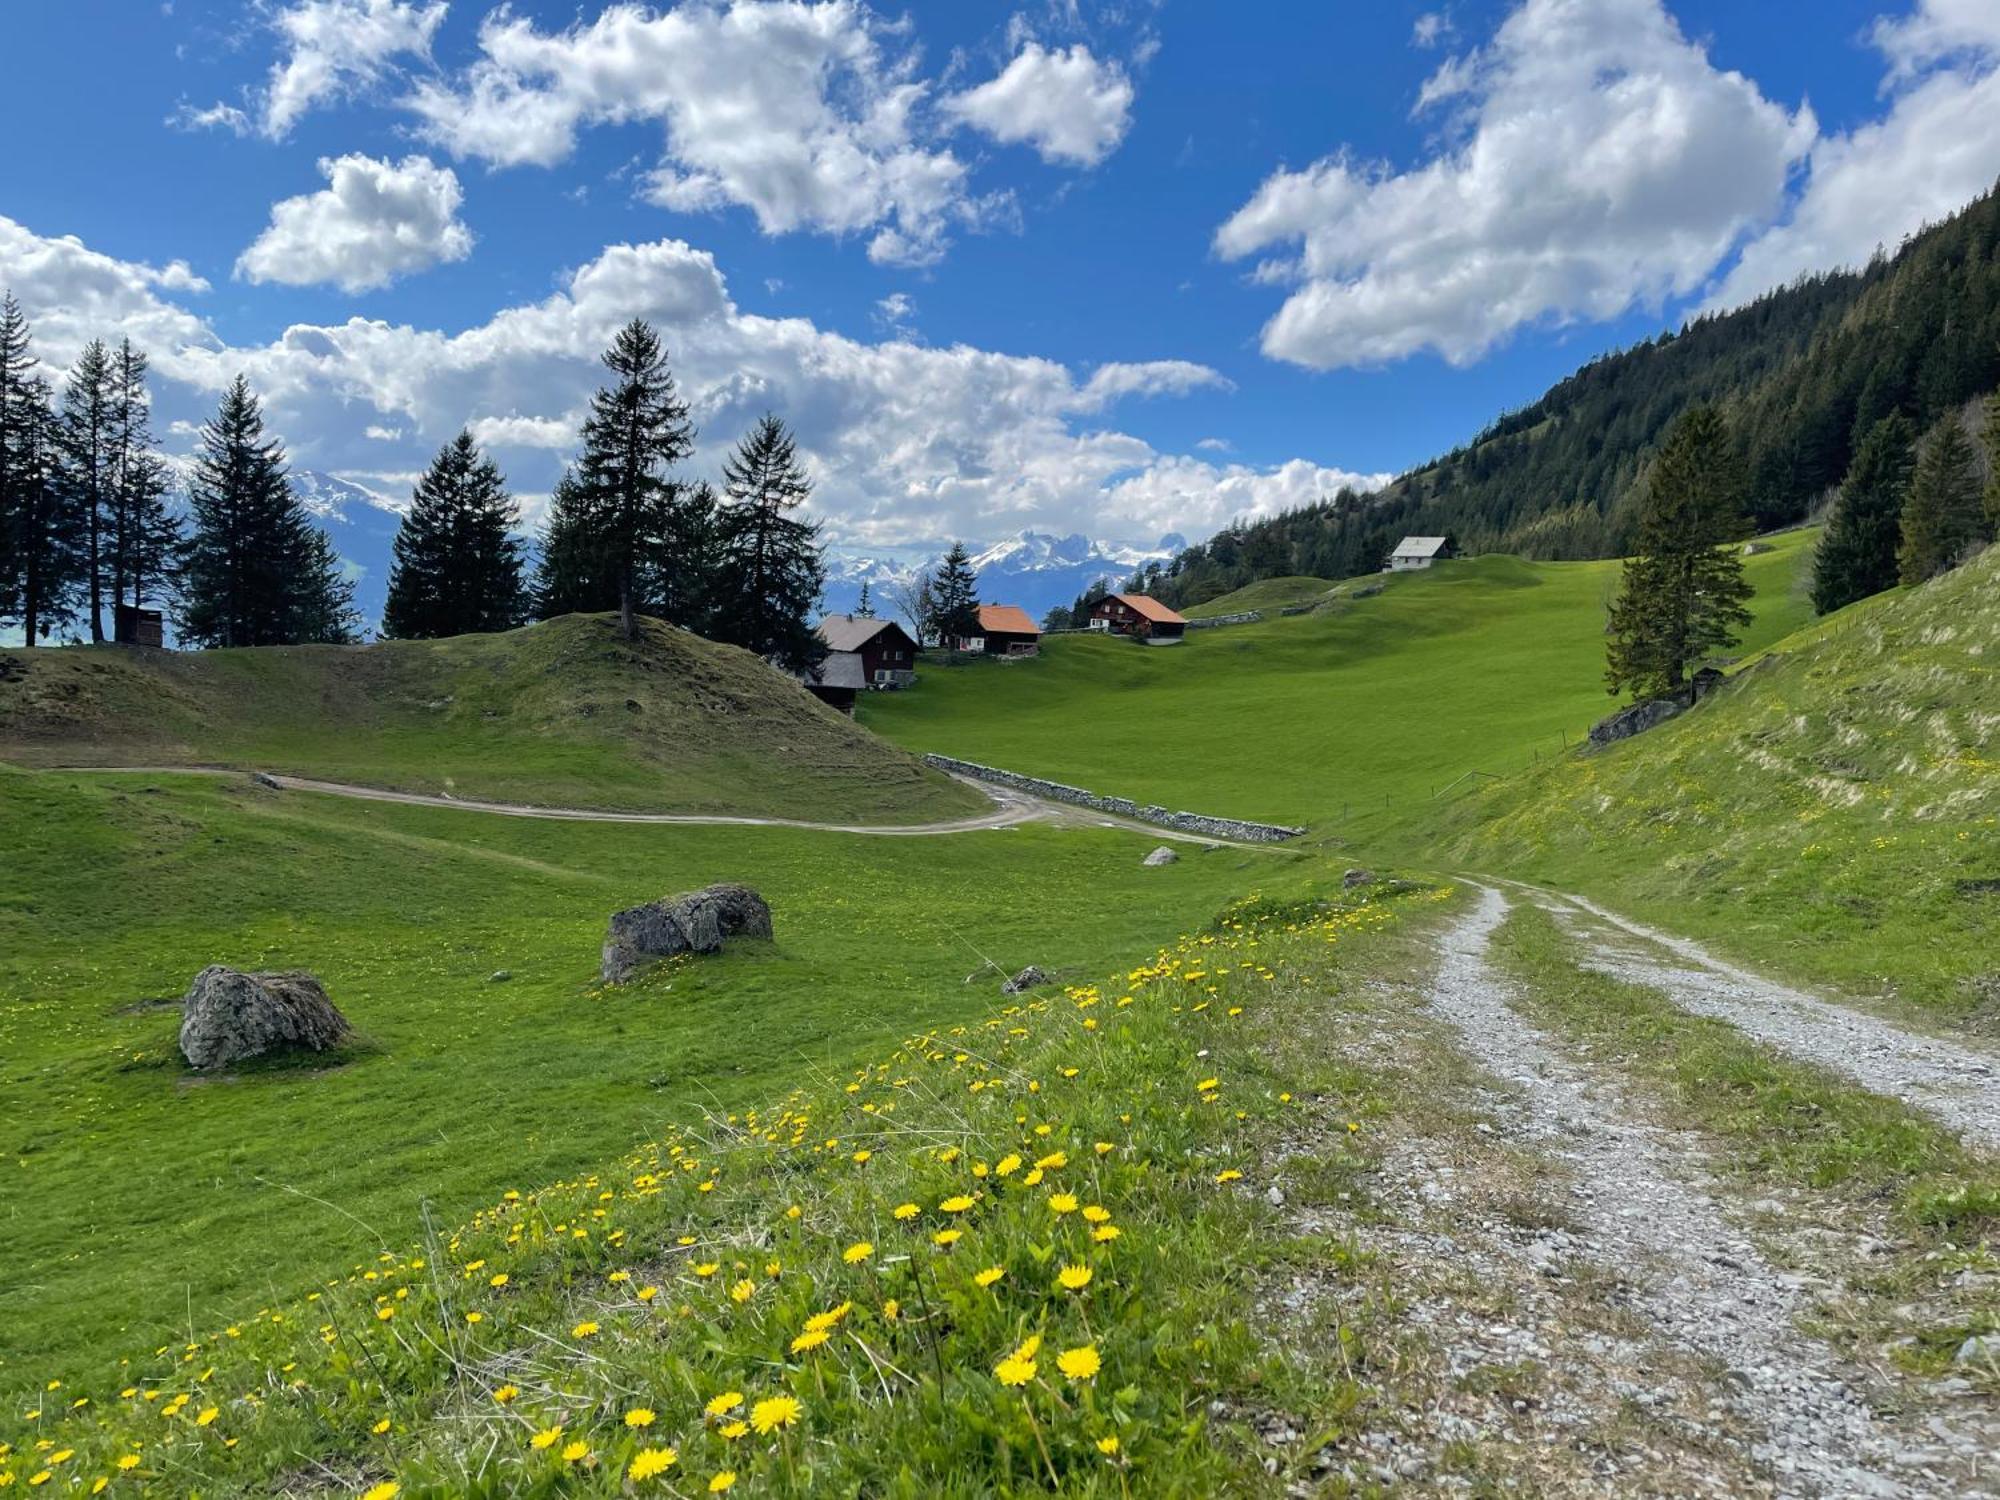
(139, 1197)
(560, 713)
(1473, 666)
(1265, 593)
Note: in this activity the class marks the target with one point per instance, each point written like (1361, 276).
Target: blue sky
(1122, 268)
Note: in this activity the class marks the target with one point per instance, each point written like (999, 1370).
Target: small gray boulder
(1161, 856)
(1356, 877)
(692, 922)
(1980, 1349)
(1029, 978)
(229, 1015)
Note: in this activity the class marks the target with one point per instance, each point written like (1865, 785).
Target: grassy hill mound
(1265, 594)
(1834, 811)
(564, 712)
(1473, 666)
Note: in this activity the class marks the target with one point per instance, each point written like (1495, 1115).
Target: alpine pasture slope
(1473, 666)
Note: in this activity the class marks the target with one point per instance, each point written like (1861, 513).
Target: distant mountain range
(1033, 569)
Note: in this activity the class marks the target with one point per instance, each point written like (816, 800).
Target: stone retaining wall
(1124, 807)
(1247, 617)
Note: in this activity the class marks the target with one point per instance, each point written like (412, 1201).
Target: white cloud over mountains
(1594, 158)
(374, 221)
(906, 441)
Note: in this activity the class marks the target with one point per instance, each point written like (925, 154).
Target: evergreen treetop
(771, 568)
(457, 565)
(955, 590)
(1943, 519)
(1856, 556)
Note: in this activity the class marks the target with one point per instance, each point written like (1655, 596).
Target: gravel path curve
(1649, 1214)
(1956, 1084)
(1009, 808)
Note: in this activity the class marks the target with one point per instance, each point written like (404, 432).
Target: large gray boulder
(229, 1015)
(1161, 856)
(692, 922)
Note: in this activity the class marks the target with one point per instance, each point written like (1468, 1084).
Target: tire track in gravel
(1648, 1213)
(1955, 1084)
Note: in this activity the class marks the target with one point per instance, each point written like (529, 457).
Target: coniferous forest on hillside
(1800, 376)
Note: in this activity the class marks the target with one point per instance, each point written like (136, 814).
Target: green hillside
(563, 712)
(1473, 666)
(1265, 594)
(1835, 812)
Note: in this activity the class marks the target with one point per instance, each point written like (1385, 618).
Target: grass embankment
(139, 1197)
(1834, 813)
(560, 713)
(1264, 594)
(1013, 1252)
(1471, 666)
(1777, 1123)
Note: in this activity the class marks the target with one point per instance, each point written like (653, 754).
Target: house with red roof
(1140, 616)
(1004, 630)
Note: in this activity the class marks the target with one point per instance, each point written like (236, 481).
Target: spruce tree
(1993, 467)
(88, 398)
(1943, 519)
(638, 524)
(258, 572)
(17, 364)
(45, 524)
(864, 608)
(955, 606)
(572, 574)
(1682, 594)
(457, 567)
(1857, 552)
(770, 568)
(145, 537)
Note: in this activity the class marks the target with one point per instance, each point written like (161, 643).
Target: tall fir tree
(1856, 556)
(86, 424)
(644, 528)
(955, 606)
(457, 566)
(258, 572)
(572, 573)
(17, 367)
(145, 536)
(1993, 467)
(1943, 519)
(770, 568)
(1682, 594)
(48, 543)
(864, 607)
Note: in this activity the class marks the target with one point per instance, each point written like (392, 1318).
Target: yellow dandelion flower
(892, 1309)
(1014, 1371)
(722, 1405)
(1206, 1084)
(733, 1430)
(384, 1314)
(724, 1480)
(639, 1416)
(647, 1293)
(381, 1427)
(1073, 1278)
(956, 1205)
(1104, 1148)
(830, 1317)
(1080, 1363)
(1108, 1444)
(707, 1268)
(861, 1157)
(1228, 1174)
(857, 1252)
(946, 1238)
(774, 1412)
(1052, 1161)
(1104, 1234)
(743, 1290)
(812, 1338)
(546, 1438)
(990, 1275)
(128, 1461)
(1007, 1165)
(506, 1393)
(649, 1462)
(1062, 1203)
(584, 1329)
(575, 1452)
(497, 1279)
(1097, 1213)
(388, 1489)
(907, 1210)
(208, 1416)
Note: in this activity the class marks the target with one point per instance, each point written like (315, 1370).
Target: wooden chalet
(1004, 630)
(1414, 552)
(884, 655)
(1140, 616)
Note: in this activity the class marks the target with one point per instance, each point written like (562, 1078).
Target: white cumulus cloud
(329, 50)
(1066, 104)
(1936, 147)
(374, 221)
(1594, 160)
(908, 442)
(801, 113)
